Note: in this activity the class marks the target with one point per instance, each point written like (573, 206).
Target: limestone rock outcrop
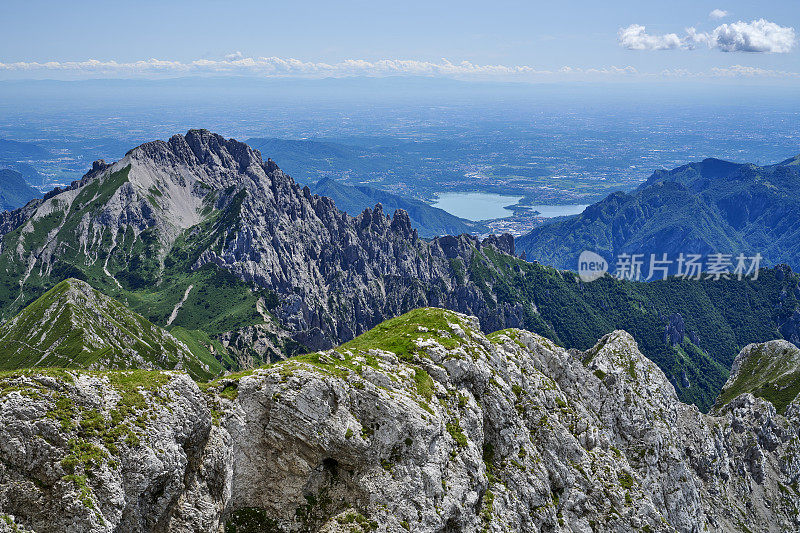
(422, 424)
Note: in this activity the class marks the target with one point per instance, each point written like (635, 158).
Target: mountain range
(201, 236)
(429, 221)
(701, 208)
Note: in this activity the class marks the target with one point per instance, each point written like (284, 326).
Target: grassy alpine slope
(75, 326)
(770, 371)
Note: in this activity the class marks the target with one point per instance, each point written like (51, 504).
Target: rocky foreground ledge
(422, 424)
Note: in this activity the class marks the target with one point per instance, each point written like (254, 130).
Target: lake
(476, 205)
(486, 206)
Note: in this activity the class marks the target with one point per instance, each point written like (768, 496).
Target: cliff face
(422, 424)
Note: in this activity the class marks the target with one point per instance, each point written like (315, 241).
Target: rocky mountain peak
(75, 291)
(401, 223)
(200, 147)
(504, 243)
(99, 165)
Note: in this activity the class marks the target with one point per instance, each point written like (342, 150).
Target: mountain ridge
(770, 370)
(709, 207)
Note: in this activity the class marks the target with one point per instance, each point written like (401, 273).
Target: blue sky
(499, 39)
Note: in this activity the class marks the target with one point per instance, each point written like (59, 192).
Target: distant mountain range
(29, 173)
(701, 208)
(16, 175)
(14, 190)
(428, 220)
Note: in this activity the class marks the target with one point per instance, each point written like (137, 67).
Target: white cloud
(276, 67)
(718, 14)
(695, 38)
(613, 69)
(604, 71)
(680, 73)
(756, 36)
(741, 71)
(634, 37)
(732, 71)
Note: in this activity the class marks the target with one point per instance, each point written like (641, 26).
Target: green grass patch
(424, 384)
(455, 431)
(400, 335)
